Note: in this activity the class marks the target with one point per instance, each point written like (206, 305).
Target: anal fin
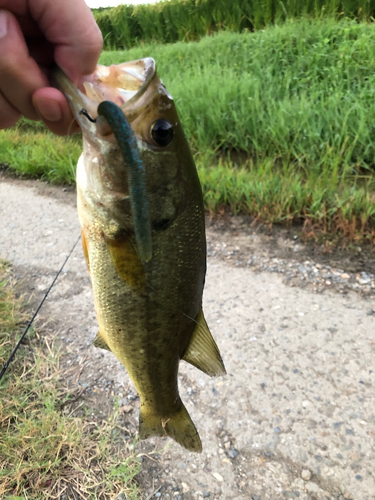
(202, 351)
(100, 342)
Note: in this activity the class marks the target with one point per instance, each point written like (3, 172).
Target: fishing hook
(85, 113)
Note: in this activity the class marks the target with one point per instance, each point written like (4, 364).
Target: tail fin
(179, 427)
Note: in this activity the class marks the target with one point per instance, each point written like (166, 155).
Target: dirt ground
(294, 417)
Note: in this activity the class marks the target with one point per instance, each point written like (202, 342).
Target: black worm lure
(136, 173)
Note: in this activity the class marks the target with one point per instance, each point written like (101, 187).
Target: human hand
(34, 35)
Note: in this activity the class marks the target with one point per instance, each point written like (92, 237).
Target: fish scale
(139, 313)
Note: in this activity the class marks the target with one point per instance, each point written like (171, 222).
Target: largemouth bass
(147, 272)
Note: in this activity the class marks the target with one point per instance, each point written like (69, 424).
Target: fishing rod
(4, 369)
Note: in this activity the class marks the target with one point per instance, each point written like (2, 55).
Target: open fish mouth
(100, 109)
(123, 84)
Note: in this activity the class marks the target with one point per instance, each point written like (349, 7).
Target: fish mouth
(124, 84)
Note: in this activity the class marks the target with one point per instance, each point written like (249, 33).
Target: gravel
(307, 273)
(306, 475)
(233, 453)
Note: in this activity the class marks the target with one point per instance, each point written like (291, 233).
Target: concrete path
(295, 416)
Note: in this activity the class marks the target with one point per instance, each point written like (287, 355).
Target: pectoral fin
(85, 249)
(202, 351)
(127, 262)
(100, 342)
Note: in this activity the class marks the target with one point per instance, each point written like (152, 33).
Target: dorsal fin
(202, 351)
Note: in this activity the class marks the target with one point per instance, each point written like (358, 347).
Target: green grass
(301, 91)
(29, 150)
(280, 121)
(43, 450)
(274, 193)
(170, 21)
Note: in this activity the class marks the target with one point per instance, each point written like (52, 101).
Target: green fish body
(149, 310)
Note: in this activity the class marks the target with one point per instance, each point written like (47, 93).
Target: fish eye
(162, 132)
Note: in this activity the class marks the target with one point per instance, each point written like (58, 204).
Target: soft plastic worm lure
(135, 172)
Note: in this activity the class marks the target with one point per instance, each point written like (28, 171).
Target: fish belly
(146, 341)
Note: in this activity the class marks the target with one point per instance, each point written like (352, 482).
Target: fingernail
(3, 23)
(49, 110)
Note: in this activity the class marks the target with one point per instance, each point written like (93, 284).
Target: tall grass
(301, 92)
(174, 20)
(281, 122)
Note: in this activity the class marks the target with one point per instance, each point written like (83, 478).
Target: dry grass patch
(45, 452)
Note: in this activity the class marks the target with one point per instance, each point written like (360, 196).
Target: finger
(20, 76)
(8, 114)
(71, 27)
(42, 52)
(20, 9)
(55, 111)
